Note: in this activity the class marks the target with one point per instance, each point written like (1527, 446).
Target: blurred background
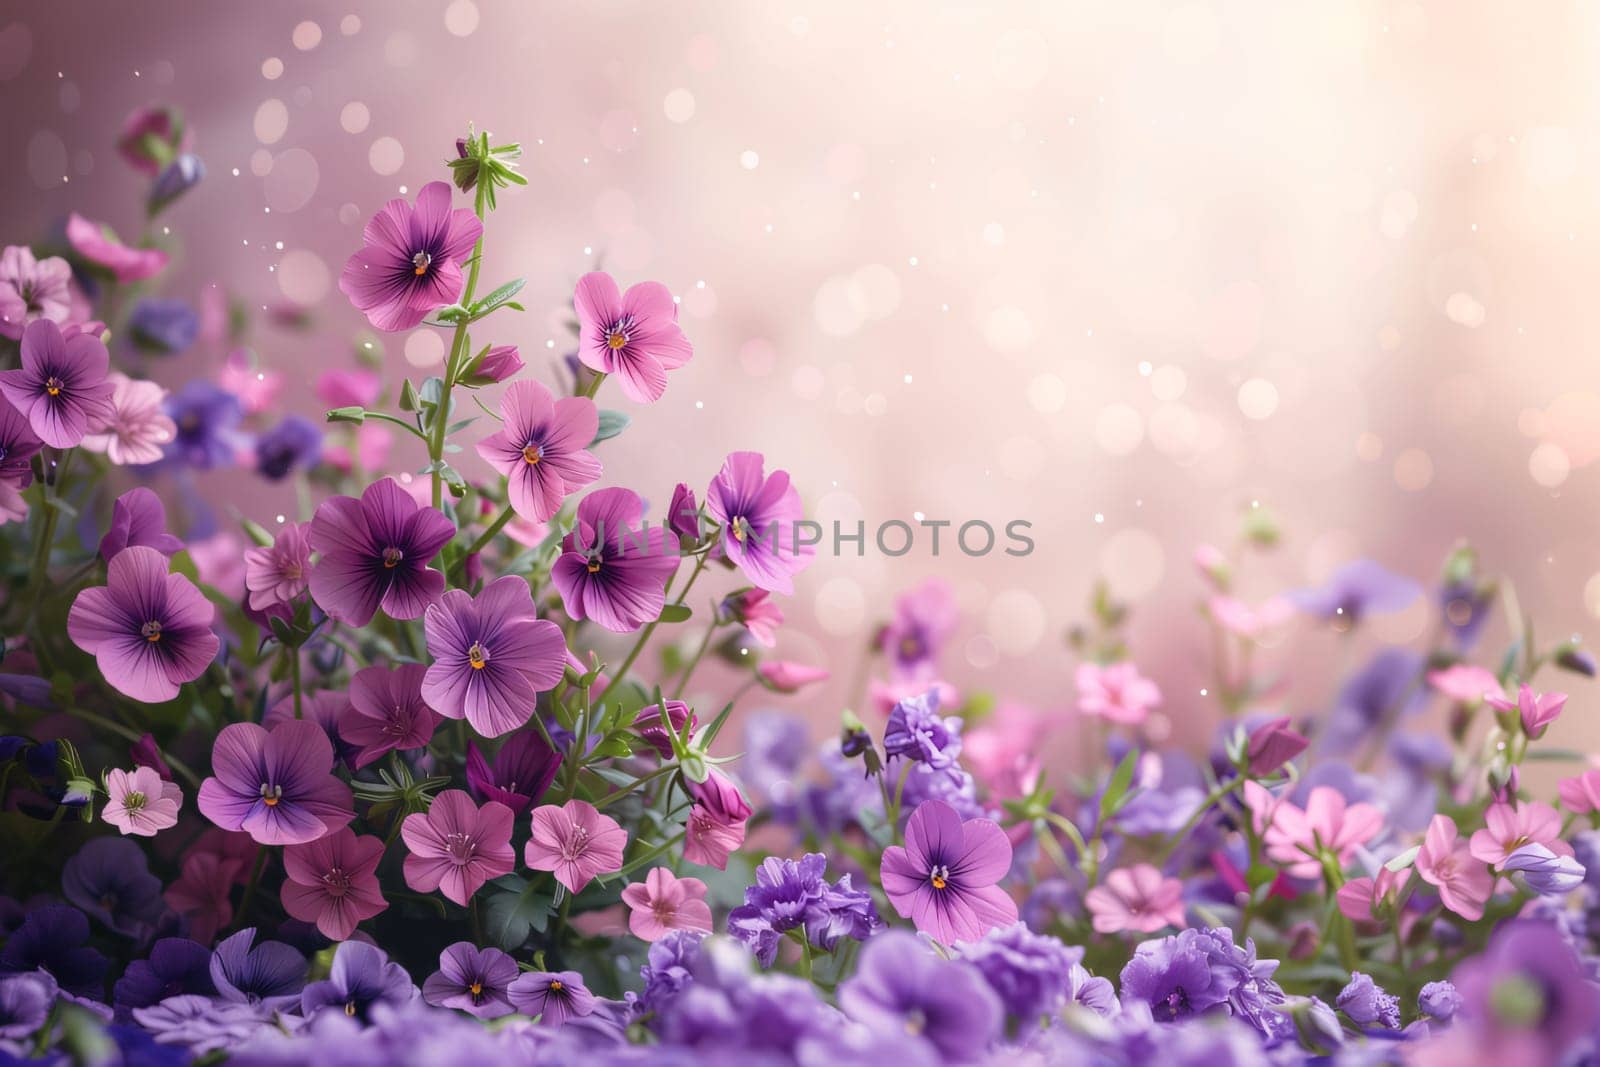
(1120, 269)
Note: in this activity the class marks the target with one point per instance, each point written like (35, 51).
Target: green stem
(694, 661)
(505, 516)
(441, 414)
(45, 538)
(179, 768)
(250, 888)
(294, 672)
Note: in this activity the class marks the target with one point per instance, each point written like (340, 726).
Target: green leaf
(500, 296)
(409, 401)
(676, 613)
(516, 908)
(611, 424)
(1117, 787)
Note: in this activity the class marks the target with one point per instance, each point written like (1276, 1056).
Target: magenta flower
(349, 388)
(412, 259)
(151, 137)
(148, 630)
(633, 335)
(1116, 693)
(1360, 898)
(203, 893)
(32, 289)
(386, 712)
(1508, 828)
(140, 802)
(18, 443)
(278, 786)
(61, 386)
(99, 245)
(716, 824)
(139, 518)
(1328, 825)
(375, 553)
(576, 842)
(333, 882)
(1466, 684)
(1136, 898)
(663, 902)
(759, 515)
(523, 769)
(496, 365)
(613, 567)
(491, 656)
(1445, 862)
(277, 573)
(1537, 710)
(945, 878)
(787, 676)
(754, 610)
(138, 427)
(457, 846)
(658, 734)
(1272, 744)
(553, 996)
(542, 448)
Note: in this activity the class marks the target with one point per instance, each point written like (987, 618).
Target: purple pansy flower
(61, 386)
(361, 977)
(785, 893)
(554, 996)
(164, 326)
(633, 335)
(523, 769)
(176, 966)
(139, 518)
(412, 258)
(491, 656)
(110, 879)
(471, 979)
(613, 569)
(277, 786)
(148, 630)
(902, 988)
(542, 448)
(375, 553)
(270, 974)
(18, 443)
(1031, 973)
(759, 515)
(51, 939)
(206, 418)
(944, 878)
(386, 712)
(294, 444)
(25, 1003)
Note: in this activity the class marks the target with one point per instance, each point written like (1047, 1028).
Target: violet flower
(1547, 873)
(648, 724)
(18, 443)
(523, 769)
(613, 570)
(277, 786)
(26, 1001)
(491, 656)
(924, 619)
(1354, 591)
(333, 882)
(375, 553)
(32, 289)
(61, 386)
(784, 895)
(542, 448)
(110, 879)
(944, 878)
(471, 979)
(139, 518)
(52, 939)
(917, 732)
(759, 516)
(176, 966)
(1527, 997)
(1031, 973)
(412, 257)
(294, 444)
(206, 418)
(554, 996)
(901, 988)
(456, 846)
(1365, 1002)
(164, 326)
(386, 712)
(633, 335)
(270, 974)
(361, 978)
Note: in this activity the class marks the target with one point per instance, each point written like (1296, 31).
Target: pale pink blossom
(1138, 898)
(1328, 826)
(1580, 794)
(663, 902)
(1360, 898)
(256, 387)
(1465, 683)
(1537, 710)
(576, 842)
(1445, 862)
(787, 676)
(141, 802)
(1508, 828)
(138, 426)
(1237, 617)
(277, 573)
(98, 244)
(1116, 693)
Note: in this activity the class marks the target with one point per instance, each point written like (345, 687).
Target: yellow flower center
(419, 263)
(151, 631)
(53, 386)
(616, 339)
(556, 986)
(530, 454)
(939, 877)
(477, 656)
(594, 566)
(392, 557)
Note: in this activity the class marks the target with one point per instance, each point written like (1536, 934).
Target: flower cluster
(395, 778)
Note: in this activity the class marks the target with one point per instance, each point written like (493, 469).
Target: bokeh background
(1117, 268)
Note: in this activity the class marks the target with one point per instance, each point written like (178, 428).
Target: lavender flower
(270, 974)
(207, 420)
(554, 996)
(492, 656)
(1356, 590)
(167, 327)
(785, 894)
(1439, 1001)
(361, 978)
(294, 444)
(61, 386)
(471, 979)
(1030, 973)
(902, 988)
(1545, 872)
(25, 1003)
(1365, 1002)
(916, 732)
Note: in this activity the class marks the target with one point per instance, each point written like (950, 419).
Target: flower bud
(1272, 745)
(177, 178)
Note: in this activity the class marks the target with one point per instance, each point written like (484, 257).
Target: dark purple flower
(110, 879)
(523, 769)
(61, 386)
(1356, 590)
(207, 420)
(177, 178)
(375, 552)
(1365, 1002)
(473, 980)
(902, 988)
(412, 259)
(294, 444)
(917, 732)
(277, 786)
(554, 996)
(1029, 972)
(785, 894)
(613, 567)
(25, 1003)
(139, 518)
(1272, 744)
(683, 514)
(648, 725)
(270, 974)
(163, 326)
(18, 443)
(361, 978)
(176, 966)
(759, 515)
(52, 939)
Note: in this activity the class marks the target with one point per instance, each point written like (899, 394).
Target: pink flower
(140, 802)
(1359, 898)
(1327, 826)
(33, 289)
(279, 572)
(1211, 562)
(349, 388)
(1465, 683)
(754, 610)
(664, 902)
(98, 244)
(576, 842)
(1136, 898)
(496, 365)
(137, 427)
(1508, 828)
(715, 827)
(542, 448)
(203, 893)
(457, 846)
(1581, 793)
(786, 676)
(633, 335)
(256, 389)
(1446, 862)
(1116, 693)
(1538, 710)
(333, 882)
(386, 712)
(1239, 618)
(410, 263)
(1272, 744)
